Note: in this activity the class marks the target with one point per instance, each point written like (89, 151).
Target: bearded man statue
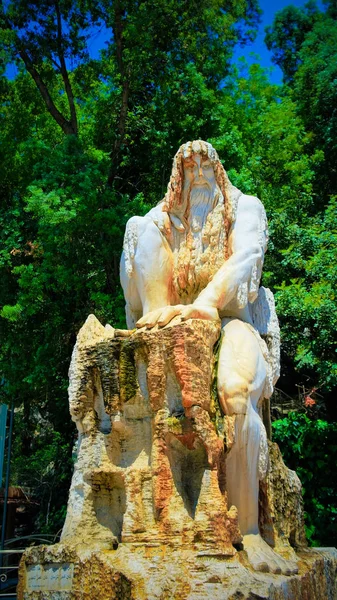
(198, 255)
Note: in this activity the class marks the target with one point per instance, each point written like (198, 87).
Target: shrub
(310, 448)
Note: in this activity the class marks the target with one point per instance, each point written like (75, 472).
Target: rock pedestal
(147, 514)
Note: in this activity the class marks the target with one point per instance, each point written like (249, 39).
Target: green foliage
(315, 92)
(287, 34)
(84, 150)
(304, 45)
(41, 465)
(81, 152)
(307, 302)
(309, 447)
(306, 281)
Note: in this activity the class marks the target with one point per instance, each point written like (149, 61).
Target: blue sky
(269, 8)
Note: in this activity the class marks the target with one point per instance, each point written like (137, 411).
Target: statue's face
(198, 172)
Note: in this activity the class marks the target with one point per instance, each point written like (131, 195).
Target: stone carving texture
(199, 254)
(147, 477)
(176, 492)
(148, 515)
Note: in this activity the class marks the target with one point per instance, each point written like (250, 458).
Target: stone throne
(155, 472)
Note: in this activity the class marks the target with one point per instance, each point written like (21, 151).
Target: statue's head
(196, 165)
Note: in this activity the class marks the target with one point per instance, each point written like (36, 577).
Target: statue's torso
(198, 253)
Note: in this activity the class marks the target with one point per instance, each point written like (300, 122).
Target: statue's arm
(247, 242)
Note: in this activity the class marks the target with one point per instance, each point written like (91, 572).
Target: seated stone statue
(199, 254)
(174, 470)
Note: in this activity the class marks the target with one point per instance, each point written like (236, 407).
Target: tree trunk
(118, 35)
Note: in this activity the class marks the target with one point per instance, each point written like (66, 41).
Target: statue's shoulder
(250, 202)
(243, 203)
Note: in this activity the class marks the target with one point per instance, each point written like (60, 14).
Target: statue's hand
(162, 316)
(192, 311)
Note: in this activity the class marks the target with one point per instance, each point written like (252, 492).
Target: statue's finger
(151, 321)
(187, 313)
(153, 318)
(150, 317)
(168, 314)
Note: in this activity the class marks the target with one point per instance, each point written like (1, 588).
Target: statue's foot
(263, 558)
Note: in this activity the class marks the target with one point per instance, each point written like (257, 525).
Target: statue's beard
(202, 200)
(199, 250)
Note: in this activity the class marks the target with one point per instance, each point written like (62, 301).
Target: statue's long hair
(174, 201)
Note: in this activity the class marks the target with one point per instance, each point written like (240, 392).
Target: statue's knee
(233, 395)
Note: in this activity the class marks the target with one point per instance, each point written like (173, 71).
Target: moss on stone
(216, 413)
(127, 371)
(106, 358)
(174, 425)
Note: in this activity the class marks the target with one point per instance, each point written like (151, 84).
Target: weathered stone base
(148, 515)
(163, 572)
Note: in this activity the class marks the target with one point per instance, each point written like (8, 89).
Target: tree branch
(64, 72)
(55, 63)
(65, 125)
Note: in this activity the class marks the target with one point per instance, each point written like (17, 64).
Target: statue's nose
(199, 173)
(200, 178)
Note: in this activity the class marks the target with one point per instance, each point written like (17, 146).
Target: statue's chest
(197, 255)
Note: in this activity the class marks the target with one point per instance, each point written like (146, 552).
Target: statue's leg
(242, 372)
(241, 377)
(146, 268)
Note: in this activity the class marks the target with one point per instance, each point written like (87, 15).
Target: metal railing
(9, 561)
